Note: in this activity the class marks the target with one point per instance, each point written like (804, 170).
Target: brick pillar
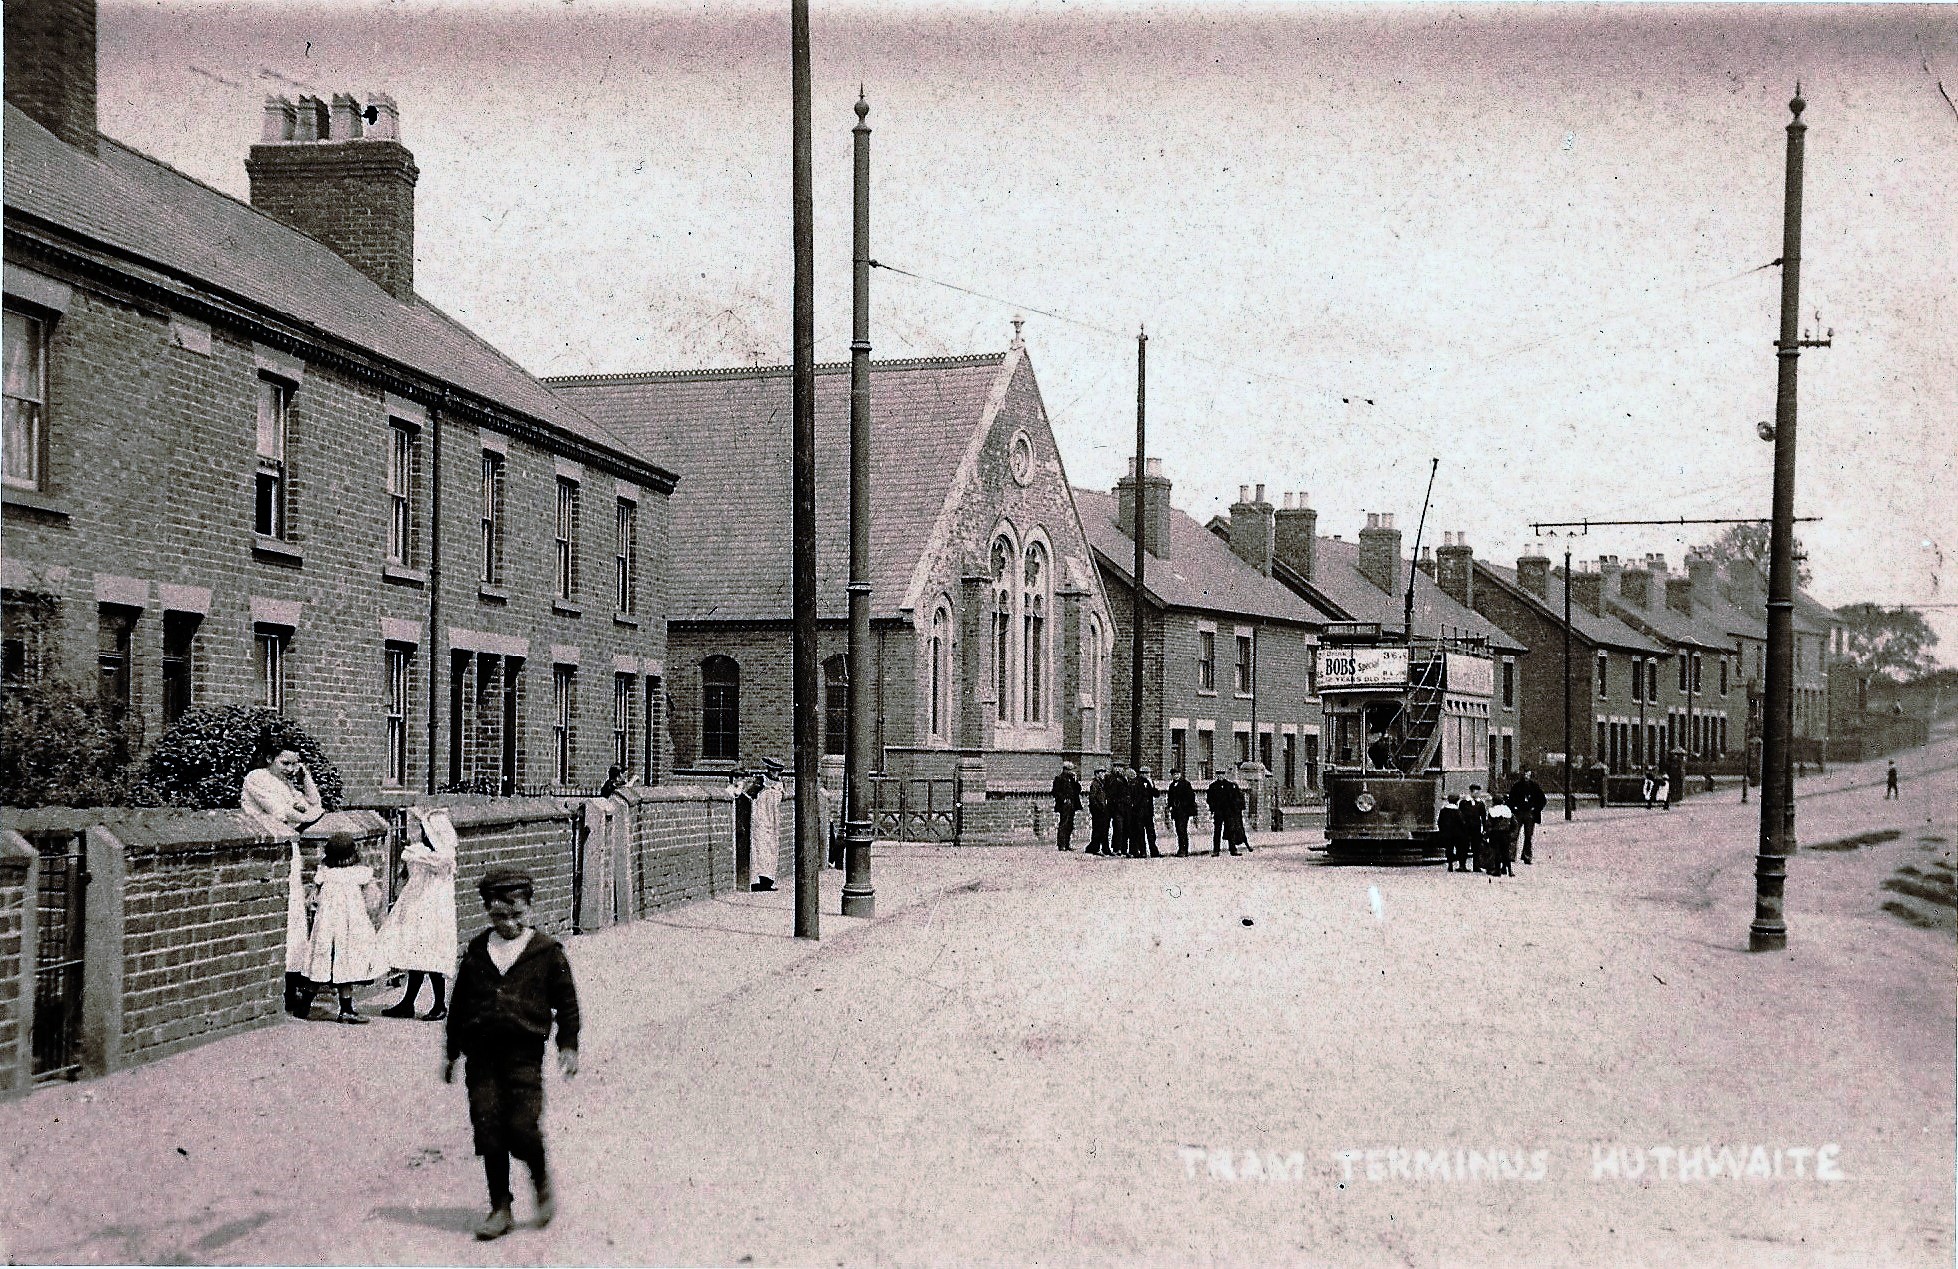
(975, 661)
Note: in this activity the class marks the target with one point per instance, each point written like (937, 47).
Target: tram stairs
(1423, 732)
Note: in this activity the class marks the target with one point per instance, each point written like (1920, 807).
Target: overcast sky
(1531, 237)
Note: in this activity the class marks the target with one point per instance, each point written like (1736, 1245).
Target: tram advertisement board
(1471, 676)
(1362, 667)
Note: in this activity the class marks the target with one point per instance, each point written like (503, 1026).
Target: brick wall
(535, 834)
(203, 929)
(681, 844)
(16, 962)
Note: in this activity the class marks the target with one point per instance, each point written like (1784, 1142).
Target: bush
(62, 746)
(203, 759)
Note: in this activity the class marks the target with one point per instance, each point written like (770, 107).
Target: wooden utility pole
(1569, 801)
(1141, 502)
(859, 899)
(802, 524)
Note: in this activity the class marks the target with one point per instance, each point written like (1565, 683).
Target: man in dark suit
(1145, 793)
(1224, 799)
(1119, 812)
(1448, 830)
(1475, 822)
(1526, 800)
(1182, 805)
(1098, 813)
(1067, 800)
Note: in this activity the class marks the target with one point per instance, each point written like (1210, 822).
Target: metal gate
(59, 908)
(914, 809)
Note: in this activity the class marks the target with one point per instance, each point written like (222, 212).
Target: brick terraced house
(1701, 699)
(246, 462)
(1226, 650)
(1617, 710)
(990, 636)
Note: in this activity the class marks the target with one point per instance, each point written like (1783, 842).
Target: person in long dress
(419, 934)
(281, 791)
(765, 825)
(344, 950)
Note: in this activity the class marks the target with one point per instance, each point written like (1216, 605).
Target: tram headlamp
(1364, 803)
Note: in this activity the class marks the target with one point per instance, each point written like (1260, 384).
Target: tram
(1407, 723)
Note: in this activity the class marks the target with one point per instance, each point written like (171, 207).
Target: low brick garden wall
(17, 874)
(680, 844)
(538, 835)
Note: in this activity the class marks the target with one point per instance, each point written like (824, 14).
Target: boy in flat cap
(514, 980)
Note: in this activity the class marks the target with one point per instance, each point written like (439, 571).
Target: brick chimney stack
(1455, 568)
(1586, 591)
(1610, 574)
(338, 173)
(1155, 507)
(1635, 585)
(1253, 528)
(1533, 574)
(50, 66)
(1380, 552)
(1295, 536)
(1705, 577)
(1679, 594)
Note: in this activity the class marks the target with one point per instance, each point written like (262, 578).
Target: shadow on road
(455, 1220)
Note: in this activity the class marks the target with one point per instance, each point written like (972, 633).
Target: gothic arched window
(1033, 620)
(836, 704)
(1004, 556)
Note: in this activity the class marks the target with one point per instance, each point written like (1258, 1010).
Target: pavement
(1031, 1057)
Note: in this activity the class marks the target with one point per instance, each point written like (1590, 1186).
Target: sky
(1533, 242)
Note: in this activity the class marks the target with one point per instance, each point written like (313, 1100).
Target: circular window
(1020, 456)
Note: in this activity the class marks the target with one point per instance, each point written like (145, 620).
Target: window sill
(1246, 696)
(34, 501)
(564, 608)
(276, 551)
(1206, 691)
(403, 575)
(492, 594)
(626, 619)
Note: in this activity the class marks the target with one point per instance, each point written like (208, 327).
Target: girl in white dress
(419, 935)
(344, 947)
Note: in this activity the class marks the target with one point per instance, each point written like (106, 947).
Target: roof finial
(863, 107)
(1018, 322)
(1798, 105)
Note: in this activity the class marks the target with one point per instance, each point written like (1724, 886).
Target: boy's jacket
(491, 1009)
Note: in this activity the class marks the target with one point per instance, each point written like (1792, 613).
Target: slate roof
(1671, 626)
(176, 231)
(1608, 631)
(1201, 571)
(727, 434)
(1337, 576)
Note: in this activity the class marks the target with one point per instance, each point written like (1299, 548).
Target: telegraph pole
(859, 899)
(1769, 933)
(1135, 605)
(1569, 803)
(802, 409)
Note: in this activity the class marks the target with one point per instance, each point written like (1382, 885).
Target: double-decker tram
(1407, 723)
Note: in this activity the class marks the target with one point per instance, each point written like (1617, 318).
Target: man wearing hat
(1098, 812)
(1067, 800)
(514, 983)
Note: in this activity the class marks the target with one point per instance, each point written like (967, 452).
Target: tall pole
(1141, 502)
(1777, 840)
(1569, 803)
(859, 899)
(802, 527)
(1407, 612)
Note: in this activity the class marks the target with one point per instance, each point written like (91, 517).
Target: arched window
(720, 709)
(1004, 556)
(1091, 671)
(836, 704)
(1033, 643)
(941, 672)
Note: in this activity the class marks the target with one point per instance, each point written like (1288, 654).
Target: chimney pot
(1288, 502)
(278, 122)
(1244, 493)
(1261, 494)
(345, 122)
(1155, 468)
(383, 118)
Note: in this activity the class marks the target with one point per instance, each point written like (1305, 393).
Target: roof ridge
(763, 372)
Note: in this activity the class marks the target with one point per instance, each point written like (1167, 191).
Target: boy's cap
(773, 764)
(503, 880)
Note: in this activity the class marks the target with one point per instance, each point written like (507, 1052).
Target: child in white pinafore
(419, 934)
(344, 948)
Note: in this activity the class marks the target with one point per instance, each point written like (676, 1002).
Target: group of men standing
(1477, 834)
(1122, 812)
